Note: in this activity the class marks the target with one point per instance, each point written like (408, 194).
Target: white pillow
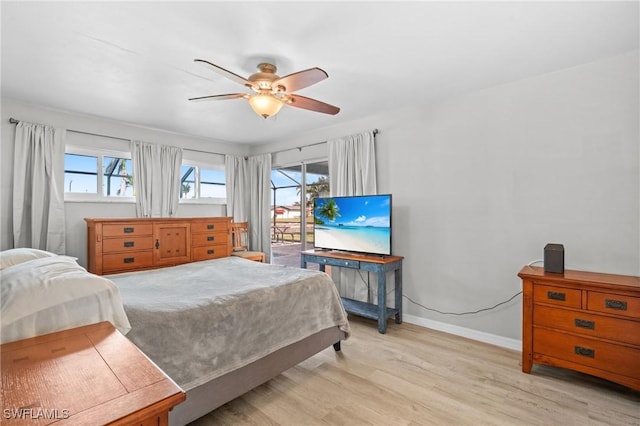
(19, 255)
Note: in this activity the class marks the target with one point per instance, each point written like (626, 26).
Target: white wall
(76, 212)
(482, 182)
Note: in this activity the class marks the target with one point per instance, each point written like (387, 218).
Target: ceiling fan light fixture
(265, 105)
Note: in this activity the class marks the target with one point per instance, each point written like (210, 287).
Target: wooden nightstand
(89, 375)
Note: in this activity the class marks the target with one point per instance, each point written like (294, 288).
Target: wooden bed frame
(211, 395)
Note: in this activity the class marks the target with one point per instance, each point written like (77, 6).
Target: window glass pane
(212, 183)
(317, 180)
(80, 173)
(188, 182)
(117, 177)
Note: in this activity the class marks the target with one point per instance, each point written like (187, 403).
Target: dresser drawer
(560, 296)
(627, 306)
(343, 263)
(199, 240)
(112, 245)
(209, 252)
(605, 356)
(125, 261)
(588, 324)
(210, 226)
(126, 229)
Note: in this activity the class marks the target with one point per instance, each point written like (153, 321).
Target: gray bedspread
(201, 320)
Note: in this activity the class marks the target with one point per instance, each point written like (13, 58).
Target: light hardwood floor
(416, 376)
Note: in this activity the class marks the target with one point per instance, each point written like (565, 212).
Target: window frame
(99, 154)
(199, 165)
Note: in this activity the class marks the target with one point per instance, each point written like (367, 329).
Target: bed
(218, 328)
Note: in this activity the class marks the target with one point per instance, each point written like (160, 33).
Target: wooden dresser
(133, 244)
(89, 375)
(585, 321)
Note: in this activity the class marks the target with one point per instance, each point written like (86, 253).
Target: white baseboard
(469, 333)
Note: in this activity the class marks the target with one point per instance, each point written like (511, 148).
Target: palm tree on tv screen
(330, 210)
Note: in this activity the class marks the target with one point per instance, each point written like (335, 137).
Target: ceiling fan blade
(311, 104)
(300, 80)
(225, 73)
(219, 97)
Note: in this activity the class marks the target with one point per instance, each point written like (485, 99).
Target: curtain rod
(299, 148)
(14, 121)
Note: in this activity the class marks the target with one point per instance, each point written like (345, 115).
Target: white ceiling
(133, 61)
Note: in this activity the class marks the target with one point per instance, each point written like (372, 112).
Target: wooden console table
(370, 263)
(90, 375)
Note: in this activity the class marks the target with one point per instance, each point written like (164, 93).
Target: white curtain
(38, 187)
(352, 171)
(156, 179)
(248, 182)
(352, 165)
(236, 181)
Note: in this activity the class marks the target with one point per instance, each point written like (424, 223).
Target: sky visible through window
(81, 177)
(286, 196)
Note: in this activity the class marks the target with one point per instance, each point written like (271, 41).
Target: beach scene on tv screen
(359, 224)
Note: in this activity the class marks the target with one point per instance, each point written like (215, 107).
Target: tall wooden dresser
(585, 321)
(133, 244)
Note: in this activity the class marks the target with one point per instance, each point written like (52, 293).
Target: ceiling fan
(270, 91)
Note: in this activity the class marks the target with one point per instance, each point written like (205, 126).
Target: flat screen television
(358, 223)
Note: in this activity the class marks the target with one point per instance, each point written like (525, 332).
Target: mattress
(201, 320)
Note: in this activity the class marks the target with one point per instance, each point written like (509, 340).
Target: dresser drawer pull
(129, 259)
(129, 243)
(210, 251)
(210, 238)
(556, 295)
(210, 226)
(619, 305)
(128, 230)
(157, 244)
(579, 350)
(591, 325)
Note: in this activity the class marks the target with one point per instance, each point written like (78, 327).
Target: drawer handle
(210, 238)
(128, 230)
(556, 295)
(619, 305)
(157, 244)
(129, 259)
(210, 251)
(129, 243)
(210, 226)
(591, 325)
(579, 350)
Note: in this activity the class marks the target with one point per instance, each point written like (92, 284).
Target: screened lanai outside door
(293, 189)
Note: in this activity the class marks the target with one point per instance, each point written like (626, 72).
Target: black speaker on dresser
(554, 258)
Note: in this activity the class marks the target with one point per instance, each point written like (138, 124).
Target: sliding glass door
(293, 190)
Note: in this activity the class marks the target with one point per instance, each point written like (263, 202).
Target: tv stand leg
(382, 302)
(398, 294)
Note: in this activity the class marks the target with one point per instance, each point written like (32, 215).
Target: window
(80, 173)
(96, 174)
(117, 177)
(101, 175)
(205, 183)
